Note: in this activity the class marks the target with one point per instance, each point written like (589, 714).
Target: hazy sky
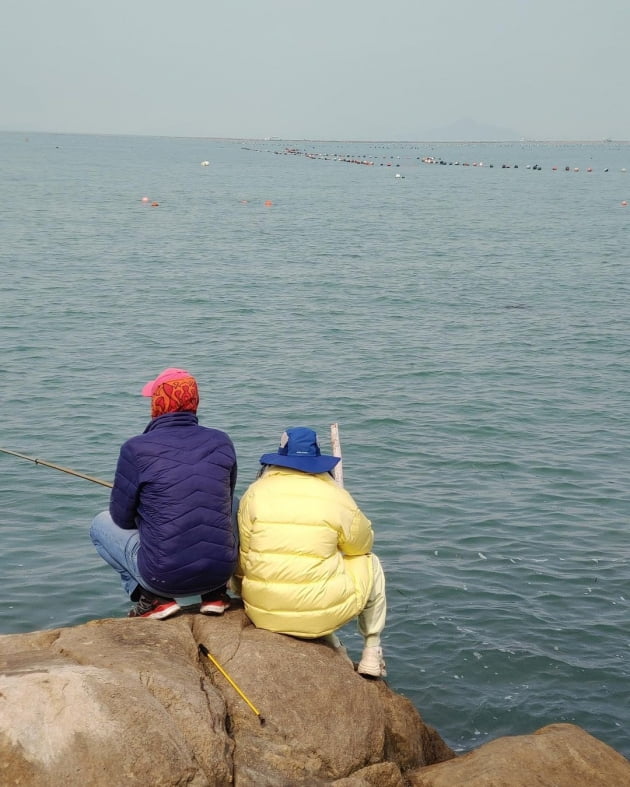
(317, 69)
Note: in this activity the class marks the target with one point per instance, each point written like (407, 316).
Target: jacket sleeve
(123, 502)
(233, 476)
(360, 538)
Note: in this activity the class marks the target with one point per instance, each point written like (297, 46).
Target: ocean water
(467, 326)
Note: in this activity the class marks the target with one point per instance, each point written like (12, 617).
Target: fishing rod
(57, 467)
(336, 449)
(334, 434)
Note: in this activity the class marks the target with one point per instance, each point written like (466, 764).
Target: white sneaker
(372, 663)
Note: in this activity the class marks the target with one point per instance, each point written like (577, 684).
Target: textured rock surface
(559, 755)
(133, 702)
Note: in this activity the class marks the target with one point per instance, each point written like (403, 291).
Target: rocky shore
(136, 702)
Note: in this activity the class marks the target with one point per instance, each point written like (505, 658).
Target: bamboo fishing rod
(334, 434)
(57, 467)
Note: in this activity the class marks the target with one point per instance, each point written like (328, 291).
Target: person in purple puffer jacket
(170, 529)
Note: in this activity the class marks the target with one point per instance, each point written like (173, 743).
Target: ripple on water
(477, 370)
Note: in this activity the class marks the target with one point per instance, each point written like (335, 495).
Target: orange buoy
(624, 203)
(154, 204)
(268, 203)
(144, 199)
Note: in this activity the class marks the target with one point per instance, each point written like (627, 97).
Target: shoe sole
(372, 672)
(162, 614)
(212, 610)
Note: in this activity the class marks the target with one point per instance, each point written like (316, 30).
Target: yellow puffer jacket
(304, 553)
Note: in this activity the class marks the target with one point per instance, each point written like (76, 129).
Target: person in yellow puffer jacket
(305, 562)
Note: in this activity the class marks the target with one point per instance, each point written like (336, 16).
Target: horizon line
(544, 140)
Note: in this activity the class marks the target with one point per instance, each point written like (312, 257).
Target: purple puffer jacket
(175, 484)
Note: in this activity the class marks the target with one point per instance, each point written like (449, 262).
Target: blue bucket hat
(299, 450)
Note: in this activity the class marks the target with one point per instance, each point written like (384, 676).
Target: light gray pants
(371, 619)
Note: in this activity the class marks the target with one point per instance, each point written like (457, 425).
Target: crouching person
(169, 530)
(305, 561)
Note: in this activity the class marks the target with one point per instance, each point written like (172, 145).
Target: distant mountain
(468, 130)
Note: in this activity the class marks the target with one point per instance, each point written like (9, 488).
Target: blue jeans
(119, 548)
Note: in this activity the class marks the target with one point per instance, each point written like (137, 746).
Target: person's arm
(233, 474)
(229, 448)
(123, 502)
(358, 538)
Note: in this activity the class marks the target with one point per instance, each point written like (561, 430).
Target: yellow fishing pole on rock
(57, 467)
(203, 649)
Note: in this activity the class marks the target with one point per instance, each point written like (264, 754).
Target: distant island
(468, 130)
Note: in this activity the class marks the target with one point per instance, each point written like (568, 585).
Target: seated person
(305, 562)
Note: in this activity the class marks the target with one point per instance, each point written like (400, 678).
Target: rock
(559, 755)
(134, 702)
(385, 774)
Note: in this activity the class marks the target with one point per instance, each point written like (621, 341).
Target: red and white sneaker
(150, 606)
(214, 603)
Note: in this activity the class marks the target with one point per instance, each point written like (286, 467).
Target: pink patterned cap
(166, 376)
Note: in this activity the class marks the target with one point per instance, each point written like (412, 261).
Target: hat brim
(306, 464)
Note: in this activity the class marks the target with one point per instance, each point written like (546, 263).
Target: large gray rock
(133, 702)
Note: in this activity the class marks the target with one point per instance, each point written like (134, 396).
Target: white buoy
(205, 163)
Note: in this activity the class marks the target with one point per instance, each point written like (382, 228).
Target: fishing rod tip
(203, 649)
(262, 721)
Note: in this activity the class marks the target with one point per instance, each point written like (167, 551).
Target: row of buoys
(423, 159)
(431, 160)
(145, 201)
(268, 203)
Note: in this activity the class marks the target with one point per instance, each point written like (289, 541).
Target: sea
(460, 310)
